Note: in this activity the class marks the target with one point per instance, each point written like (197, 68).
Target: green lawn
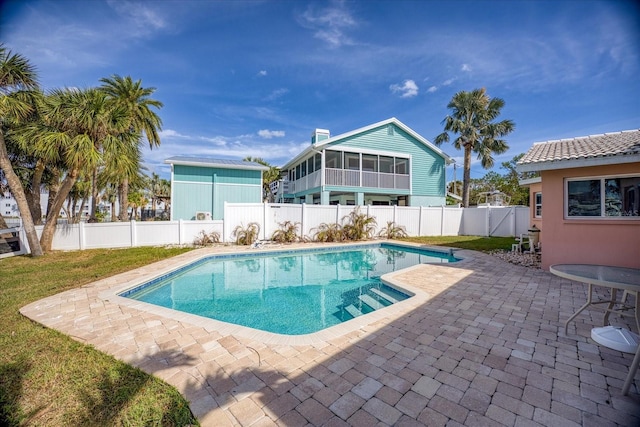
(47, 378)
(476, 243)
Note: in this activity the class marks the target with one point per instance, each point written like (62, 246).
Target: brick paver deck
(481, 344)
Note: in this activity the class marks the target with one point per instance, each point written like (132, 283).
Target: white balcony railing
(349, 178)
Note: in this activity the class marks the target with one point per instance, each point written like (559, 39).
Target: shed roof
(215, 163)
(592, 150)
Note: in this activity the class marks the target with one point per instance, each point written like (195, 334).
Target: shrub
(329, 233)
(204, 239)
(288, 232)
(393, 231)
(246, 236)
(359, 226)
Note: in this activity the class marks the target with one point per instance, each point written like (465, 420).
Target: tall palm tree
(17, 76)
(472, 118)
(136, 101)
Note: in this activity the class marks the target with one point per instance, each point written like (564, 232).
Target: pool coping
(392, 312)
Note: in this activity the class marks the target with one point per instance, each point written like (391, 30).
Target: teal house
(385, 163)
(200, 186)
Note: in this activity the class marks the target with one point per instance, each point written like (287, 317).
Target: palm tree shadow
(118, 388)
(11, 379)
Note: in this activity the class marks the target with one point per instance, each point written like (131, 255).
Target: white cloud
(277, 94)
(448, 82)
(407, 89)
(262, 73)
(465, 68)
(268, 134)
(143, 19)
(432, 89)
(329, 24)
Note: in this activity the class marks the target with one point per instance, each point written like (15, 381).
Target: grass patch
(47, 378)
(476, 243)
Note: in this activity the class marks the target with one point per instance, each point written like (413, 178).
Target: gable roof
(215, 163)
(392, 120)
(593, 150)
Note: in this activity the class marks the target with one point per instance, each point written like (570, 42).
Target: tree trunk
(466, 180)
(3, 223)
(94, 195)
(46, 240)
(113, 212)
(54, 187)
(18, 193)
(123, 198)
(33, 195)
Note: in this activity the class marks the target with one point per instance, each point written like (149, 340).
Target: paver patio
(481, 344)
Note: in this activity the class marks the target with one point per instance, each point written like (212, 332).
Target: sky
(255, 78)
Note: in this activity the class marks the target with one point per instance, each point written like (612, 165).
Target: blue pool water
(287, 292)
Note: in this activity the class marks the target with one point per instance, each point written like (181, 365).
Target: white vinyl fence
(418, 221)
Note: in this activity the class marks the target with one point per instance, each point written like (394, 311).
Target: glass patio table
(613, 278)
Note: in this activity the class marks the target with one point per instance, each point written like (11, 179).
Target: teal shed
(386, 163)
(200, 186)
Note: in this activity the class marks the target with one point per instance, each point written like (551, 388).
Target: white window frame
(602, 216)
(537, 206)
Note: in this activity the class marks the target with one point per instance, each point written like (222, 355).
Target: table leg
(612, 302)
(587, 304)
(632, 373)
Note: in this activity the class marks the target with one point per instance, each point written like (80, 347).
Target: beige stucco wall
(586, 241)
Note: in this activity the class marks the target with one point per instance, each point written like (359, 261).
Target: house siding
(586, 241)
(427, 167)
(205, 189)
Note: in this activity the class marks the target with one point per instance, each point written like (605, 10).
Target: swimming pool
(287, 292)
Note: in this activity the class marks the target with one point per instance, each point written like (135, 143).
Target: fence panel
(501, 221)
(277, 213)
(189, 230)
(474, 222)
(452, 221)
(523, 220)
(431, 222)
(316, 215)
(242, 214)
(152, 233)
(105, 235)
(409, 217)
(382, 214)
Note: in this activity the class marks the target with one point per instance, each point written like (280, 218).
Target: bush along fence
(309, 219)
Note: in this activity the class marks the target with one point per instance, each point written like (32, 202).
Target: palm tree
(273, 174)
(135, 101)
(77, 128)
(17, 76)
(472, 118)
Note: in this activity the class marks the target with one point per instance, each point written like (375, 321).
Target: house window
(304, 168)
(538, 205)
(369, 163)
(402, 166)
(310, 165)
(603, 197)
(333, 159)
(352, 161)
(386, 164)
(317, 160)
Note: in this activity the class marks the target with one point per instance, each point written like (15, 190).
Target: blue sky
(255, 78)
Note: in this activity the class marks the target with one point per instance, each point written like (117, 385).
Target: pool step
(371, 302)
(353, 311)
(384, 295)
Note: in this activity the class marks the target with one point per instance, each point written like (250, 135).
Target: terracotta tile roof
(608, 145)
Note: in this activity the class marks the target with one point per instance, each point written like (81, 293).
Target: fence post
(227, 221)
(180, 231)
(442, 220)
(264, 221)
(487, 222)
(81, 239)
(303, 218)
(338, 213)
(395, 208)
(134, 239)
(420, 221)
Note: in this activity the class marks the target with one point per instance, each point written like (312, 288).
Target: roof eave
(183, 162)
(578, 163)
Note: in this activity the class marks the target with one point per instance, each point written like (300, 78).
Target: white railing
(417, 220)
(349, 178)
